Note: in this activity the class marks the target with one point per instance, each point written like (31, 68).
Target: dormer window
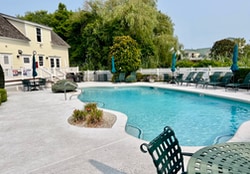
(38, 35)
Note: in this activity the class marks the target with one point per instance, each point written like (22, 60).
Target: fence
(103, 75)
(159, 72)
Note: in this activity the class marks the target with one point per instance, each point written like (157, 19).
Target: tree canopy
(90, 31)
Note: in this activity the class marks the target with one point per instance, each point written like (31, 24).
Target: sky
(197, 23)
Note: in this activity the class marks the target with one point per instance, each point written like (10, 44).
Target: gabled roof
(9, 31)
(57, 40)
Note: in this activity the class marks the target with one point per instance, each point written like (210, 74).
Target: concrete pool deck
(36, 138)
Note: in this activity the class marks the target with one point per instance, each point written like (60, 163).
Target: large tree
(40, 17)
(90, 31)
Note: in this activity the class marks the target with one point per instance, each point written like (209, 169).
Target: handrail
(65, 84)
(75, 94)
(140, 132)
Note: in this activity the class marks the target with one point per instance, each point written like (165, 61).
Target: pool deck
(36, 138)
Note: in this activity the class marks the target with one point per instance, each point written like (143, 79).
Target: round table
(230, 158)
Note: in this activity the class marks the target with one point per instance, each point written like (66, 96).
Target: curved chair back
(165, 152)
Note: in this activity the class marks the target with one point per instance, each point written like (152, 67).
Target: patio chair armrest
(144, 147)
(187, 153)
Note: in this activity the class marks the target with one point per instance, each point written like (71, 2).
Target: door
(27, 65)
(6, 62)
(55, 64)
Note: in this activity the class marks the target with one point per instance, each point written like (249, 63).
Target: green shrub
(131, 78)
(114, 78)
(90, 114)
(3, 95)
(90, 107)
(78, 115)
(94, 117)
(139, 77)
(59, 86)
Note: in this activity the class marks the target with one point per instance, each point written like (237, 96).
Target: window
(38, 35)
(52, 64)
(26, 60)
(58, 63)
(6, 59)
(40, 58)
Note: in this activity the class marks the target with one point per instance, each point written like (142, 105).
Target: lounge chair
(244, 84)
(166, 78)
(213, 79)
(121, 77)
(179, 78)
(198, 78)
(223, 82)
(166, 152)
(189, 77)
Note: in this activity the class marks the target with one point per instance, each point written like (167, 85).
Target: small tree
(126, 53)
(2, 81)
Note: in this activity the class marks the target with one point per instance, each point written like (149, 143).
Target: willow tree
(139, 19)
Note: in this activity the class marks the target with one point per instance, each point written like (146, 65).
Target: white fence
(98, 75)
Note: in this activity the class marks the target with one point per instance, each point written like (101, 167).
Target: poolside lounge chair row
(217, 79)
(241, 83)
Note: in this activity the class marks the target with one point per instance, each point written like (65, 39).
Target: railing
(49, 73)
(65, 84)
(89, 75)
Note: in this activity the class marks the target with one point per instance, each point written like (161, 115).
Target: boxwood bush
(3, 95)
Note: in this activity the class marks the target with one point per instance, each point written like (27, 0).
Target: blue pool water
(196, 119)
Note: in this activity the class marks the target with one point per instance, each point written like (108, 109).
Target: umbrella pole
(173, 79)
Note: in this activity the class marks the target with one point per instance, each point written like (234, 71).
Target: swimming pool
(196, 119)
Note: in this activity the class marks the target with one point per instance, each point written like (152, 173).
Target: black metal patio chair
(42, 83)
(166, 152)
(26, 85)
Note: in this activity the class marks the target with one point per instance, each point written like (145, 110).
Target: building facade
(20, 40)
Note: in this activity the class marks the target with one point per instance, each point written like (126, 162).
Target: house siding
(25, 39)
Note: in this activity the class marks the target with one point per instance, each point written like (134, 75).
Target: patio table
(233, 157)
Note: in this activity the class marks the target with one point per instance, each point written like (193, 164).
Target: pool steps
(222, 138)
(134, 131)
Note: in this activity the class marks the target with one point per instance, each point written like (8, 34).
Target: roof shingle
(9, 31)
